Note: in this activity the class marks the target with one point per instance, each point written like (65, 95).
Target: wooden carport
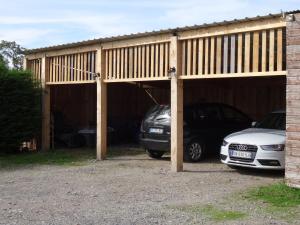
(252, 47)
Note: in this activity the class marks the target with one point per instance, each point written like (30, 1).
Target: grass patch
(213, 213)
(68, 157)
(221, 214)
(279, 200)
(277, 195)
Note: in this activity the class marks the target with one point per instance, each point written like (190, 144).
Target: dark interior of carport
(73, 107)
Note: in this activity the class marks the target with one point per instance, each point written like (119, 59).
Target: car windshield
(273, 121)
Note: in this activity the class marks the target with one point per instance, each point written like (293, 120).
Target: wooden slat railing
(259, 52)
(76, 68)
(35, 66)
(136, 63)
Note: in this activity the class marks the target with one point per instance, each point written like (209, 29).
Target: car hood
(257, 136)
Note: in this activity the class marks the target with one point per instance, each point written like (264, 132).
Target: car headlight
(272, 147)
(224, 143)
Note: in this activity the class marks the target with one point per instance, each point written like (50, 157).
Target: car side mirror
(253, 124)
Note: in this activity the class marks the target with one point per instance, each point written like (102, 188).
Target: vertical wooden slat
(206, 55)
(240, 53)
(147, 61)
(225, 54)
(271, 50)
(66, 69)
(143, 61)
(122, 63)
(126, 63)
(51, 69)
(189, 57)
(255, 57)
(279, 49)
(247, 53)
(219, 55)
(232, 54)
(156, 59)
(152, 61)
(110, 64)
(72, 67)
(161, 60)
(130, 63)
(200, 56)
(114, 62)
(183, 66)
(56, 68)
(118, 64)
(212, 55)
(85, 66)
(139, 67)
(166, 61)
(135, 62)
(194, 61)
(264, 51)
(106, 64)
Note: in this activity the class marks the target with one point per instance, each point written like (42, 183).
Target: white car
(261, 146)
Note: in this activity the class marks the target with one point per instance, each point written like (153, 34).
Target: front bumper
(274, 160)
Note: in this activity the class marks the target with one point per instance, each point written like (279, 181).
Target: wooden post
(45, 106)
(176, 107)
(25, 63)
(292, 148)
(101, 106)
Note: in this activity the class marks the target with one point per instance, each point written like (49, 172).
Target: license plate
(241, 154)
(156, 130)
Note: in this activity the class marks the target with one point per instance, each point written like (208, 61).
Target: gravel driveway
(123, 190)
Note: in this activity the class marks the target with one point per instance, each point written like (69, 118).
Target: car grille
(243, 147)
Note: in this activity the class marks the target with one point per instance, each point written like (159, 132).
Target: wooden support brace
(176, 108)
(101, 106)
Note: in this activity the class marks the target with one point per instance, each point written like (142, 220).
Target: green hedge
(20, 108)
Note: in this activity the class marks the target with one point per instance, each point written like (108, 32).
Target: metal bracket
(97, 75)
(172, 72)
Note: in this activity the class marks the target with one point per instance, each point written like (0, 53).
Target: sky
(41, 23)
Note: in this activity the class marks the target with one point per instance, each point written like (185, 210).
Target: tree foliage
(20, 107)
(12, 53)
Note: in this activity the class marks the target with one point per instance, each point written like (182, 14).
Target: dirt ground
(127, 190)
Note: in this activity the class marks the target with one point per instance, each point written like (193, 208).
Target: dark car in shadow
(205, 126)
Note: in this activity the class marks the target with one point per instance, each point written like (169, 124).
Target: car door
(208, 124)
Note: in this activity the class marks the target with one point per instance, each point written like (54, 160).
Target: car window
(233, 115)
(207, 113)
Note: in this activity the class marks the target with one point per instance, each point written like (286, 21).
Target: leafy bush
(20, 108)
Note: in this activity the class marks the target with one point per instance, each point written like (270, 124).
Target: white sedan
(259, 147)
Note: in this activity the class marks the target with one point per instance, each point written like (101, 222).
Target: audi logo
(242, 147)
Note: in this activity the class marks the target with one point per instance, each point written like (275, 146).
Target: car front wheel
(155, 154)
(194, 151)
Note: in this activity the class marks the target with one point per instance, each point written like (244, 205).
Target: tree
(20, 107)
(12, 53)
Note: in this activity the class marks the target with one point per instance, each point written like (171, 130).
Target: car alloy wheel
(194, 151)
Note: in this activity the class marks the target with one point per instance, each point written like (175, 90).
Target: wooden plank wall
(254, 96)
(79, 67)
(247, 52)
(35, 66)
(140, 62)
(292, 168)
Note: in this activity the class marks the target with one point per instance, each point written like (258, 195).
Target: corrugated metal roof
(145, 34)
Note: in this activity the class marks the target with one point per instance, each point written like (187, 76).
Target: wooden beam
(101, 106)
(176, 108)
(45, 107)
